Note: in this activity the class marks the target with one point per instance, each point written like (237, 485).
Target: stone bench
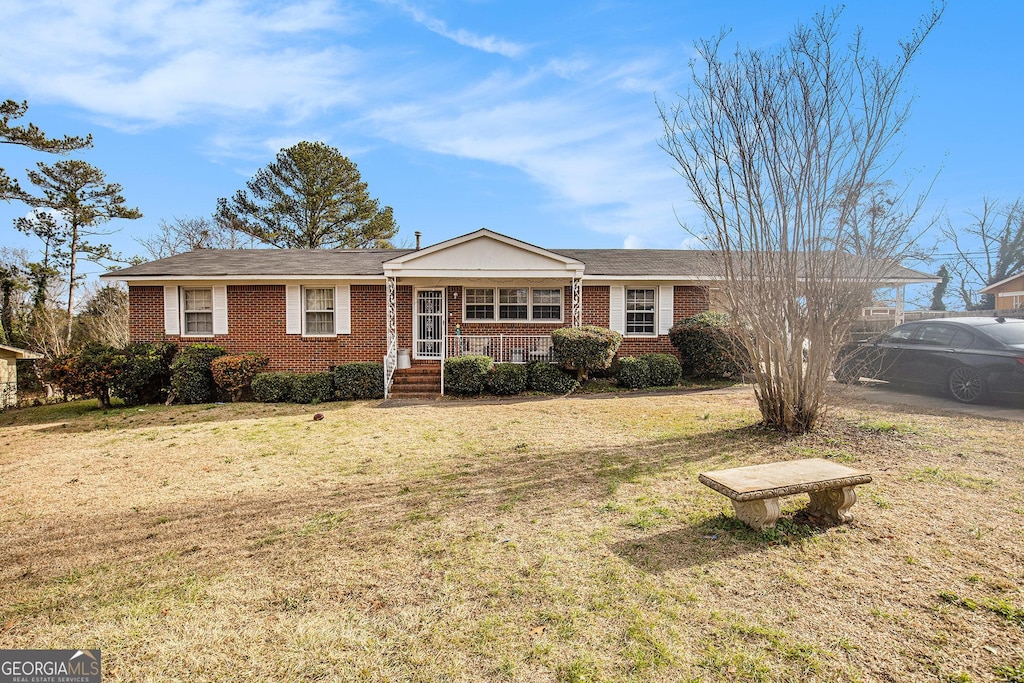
(755, 490)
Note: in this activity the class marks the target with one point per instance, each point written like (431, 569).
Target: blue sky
(535, 119)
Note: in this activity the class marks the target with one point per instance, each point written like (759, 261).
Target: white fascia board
(986, 290)
(237, 280)
(482, 274)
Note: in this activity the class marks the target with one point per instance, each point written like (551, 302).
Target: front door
(428, 324)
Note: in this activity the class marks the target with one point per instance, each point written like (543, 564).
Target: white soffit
(484, 254)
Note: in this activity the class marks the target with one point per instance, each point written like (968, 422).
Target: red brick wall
(256, 322)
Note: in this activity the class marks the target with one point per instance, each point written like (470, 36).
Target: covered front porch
(483, 294)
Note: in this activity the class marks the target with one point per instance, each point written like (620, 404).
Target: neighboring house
(1008, 293)
(480, 293)
(9, 357)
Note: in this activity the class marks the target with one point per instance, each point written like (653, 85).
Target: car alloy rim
(965, 384)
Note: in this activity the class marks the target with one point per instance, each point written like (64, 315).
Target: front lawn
(537, 540)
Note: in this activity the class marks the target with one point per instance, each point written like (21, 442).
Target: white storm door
(428, 324)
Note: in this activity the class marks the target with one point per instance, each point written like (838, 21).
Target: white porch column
(391, 317)
(577, 302)
(900, 297)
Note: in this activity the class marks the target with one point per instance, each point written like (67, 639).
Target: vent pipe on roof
(418, 235)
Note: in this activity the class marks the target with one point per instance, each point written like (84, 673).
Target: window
(547, 304)
(479, 304)
(319, 311)
(640, 305)
(1018, 301)
(513, 304)
(198, 310)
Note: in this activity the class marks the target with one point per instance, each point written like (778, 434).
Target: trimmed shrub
(466, 375)
(273, 387)
(507, 379)
(709, 345)
(191, 377)
(583, 349)
(634, 372)
(664, 369)
(89, 372)
(550, 379)
(144, 373)
(358, 381)
(233, 374)
(313, 387)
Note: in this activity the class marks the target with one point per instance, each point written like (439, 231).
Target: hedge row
(344, 382)
(138, 373)
(649, 370)
(472, 375)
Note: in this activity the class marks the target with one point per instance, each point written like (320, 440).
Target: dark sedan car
(970, 358)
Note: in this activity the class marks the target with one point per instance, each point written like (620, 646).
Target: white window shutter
(342, 310)
(220, 310)
(666, 308)
(172, 316)
(293, 310)
(617, 308)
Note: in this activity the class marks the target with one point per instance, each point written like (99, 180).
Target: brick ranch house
(481, 293)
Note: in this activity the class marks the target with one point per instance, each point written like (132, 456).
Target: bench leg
(833, 505)
(758, 514)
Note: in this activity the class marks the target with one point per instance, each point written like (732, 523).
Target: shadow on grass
(713, 540)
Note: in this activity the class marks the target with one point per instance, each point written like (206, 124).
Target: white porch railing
(503, 348)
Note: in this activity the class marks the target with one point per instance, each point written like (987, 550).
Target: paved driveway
(887, 394)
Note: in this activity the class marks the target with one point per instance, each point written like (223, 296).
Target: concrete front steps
(419, 381)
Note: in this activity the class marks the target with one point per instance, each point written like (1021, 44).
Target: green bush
(466, 375)
(191, 376)
(664, 369)
(233, 374)
(313, 387)
(273, 387)
(550, 379)
(144, 373)
(89, 372)
(507, 379)
(358, 381)
(584, 349)
(709, 346)
(634, 372)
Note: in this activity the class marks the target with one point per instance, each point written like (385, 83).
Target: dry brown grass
(543, 540)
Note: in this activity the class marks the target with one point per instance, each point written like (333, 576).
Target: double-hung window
(318, 313)
(640, 307)
(479, 303)
(514, 304)
(197, 306)
(547, 304)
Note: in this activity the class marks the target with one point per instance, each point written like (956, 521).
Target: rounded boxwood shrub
(466, 375)
(358, 381)
(507, 379)
(191, 377)
(634, 372)
(233, 374)
(709, 346)
(313, 387)
(273, 387)
(664, 369)
(550, 379)
(144, 373)
(584, 349)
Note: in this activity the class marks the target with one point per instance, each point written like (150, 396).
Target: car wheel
(966, 384)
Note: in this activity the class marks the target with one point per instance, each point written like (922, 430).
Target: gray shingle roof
(262, 263)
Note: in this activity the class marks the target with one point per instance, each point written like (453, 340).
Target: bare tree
(988, 249)
(104, 316)
(188, 233)
(785, 152)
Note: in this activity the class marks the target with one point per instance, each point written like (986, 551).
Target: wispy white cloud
(491, 44)
(153, 62)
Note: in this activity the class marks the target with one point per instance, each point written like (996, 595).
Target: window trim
(625, 310)
(496, 306)
(333, 311)
(185, 311)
